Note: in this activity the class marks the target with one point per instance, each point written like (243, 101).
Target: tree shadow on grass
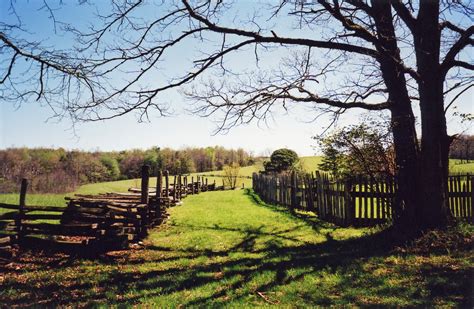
(316, 224)
(259, 269)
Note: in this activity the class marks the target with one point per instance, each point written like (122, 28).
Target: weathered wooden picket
(102, 221)
(359, 201)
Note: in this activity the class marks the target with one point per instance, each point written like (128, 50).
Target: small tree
(231, 173)
(364, 149)
(112, 166)
(281, 160)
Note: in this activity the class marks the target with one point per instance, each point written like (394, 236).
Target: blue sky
(29, 126)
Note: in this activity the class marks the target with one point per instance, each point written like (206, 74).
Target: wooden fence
(358, 201)
(97, 222)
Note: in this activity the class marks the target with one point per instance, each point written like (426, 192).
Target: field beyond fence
(358, 201)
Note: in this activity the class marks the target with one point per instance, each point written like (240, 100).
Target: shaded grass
(230, 249)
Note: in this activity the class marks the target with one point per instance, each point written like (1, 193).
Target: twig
(265, 298)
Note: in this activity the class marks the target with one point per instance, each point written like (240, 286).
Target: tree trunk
(403, 119)
(406, 158)
(433, 211)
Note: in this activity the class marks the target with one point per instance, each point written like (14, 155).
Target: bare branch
(463, 41)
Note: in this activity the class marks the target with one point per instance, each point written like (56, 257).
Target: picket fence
(358, 201)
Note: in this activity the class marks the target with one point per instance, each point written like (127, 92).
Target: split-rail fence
(101, 222)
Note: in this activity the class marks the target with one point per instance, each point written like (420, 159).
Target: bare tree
(341, 54)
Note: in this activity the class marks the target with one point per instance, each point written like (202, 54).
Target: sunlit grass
(455, 166)
(310, 164)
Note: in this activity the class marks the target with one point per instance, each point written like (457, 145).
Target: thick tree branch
(330, 102)
(465, 40)
(280, 40)
(462, 64)
(404, 14)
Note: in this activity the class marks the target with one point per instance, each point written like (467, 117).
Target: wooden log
(26, 217)
(33, 207)
(12, 215)
(56, 229)
(113, 195)
(102, 203)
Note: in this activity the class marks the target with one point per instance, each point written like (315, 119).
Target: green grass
(245, 171)
(455, 166)
(310, 164)
(229, 249)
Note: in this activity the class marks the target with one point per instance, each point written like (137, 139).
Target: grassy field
(229, 249)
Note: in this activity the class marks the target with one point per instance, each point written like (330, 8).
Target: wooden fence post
(158, 193)
(180, 193)
(145, 196)
(145, 183)
(199, 180)
(192, 185)
(175, 189)
(159, 185)
(21, 209)
(349, 205)
(167, 185)
(471, 210)
(293, 189)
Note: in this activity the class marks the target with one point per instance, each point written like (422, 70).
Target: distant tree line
(60, 170)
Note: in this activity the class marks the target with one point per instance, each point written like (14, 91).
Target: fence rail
(358, 201)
